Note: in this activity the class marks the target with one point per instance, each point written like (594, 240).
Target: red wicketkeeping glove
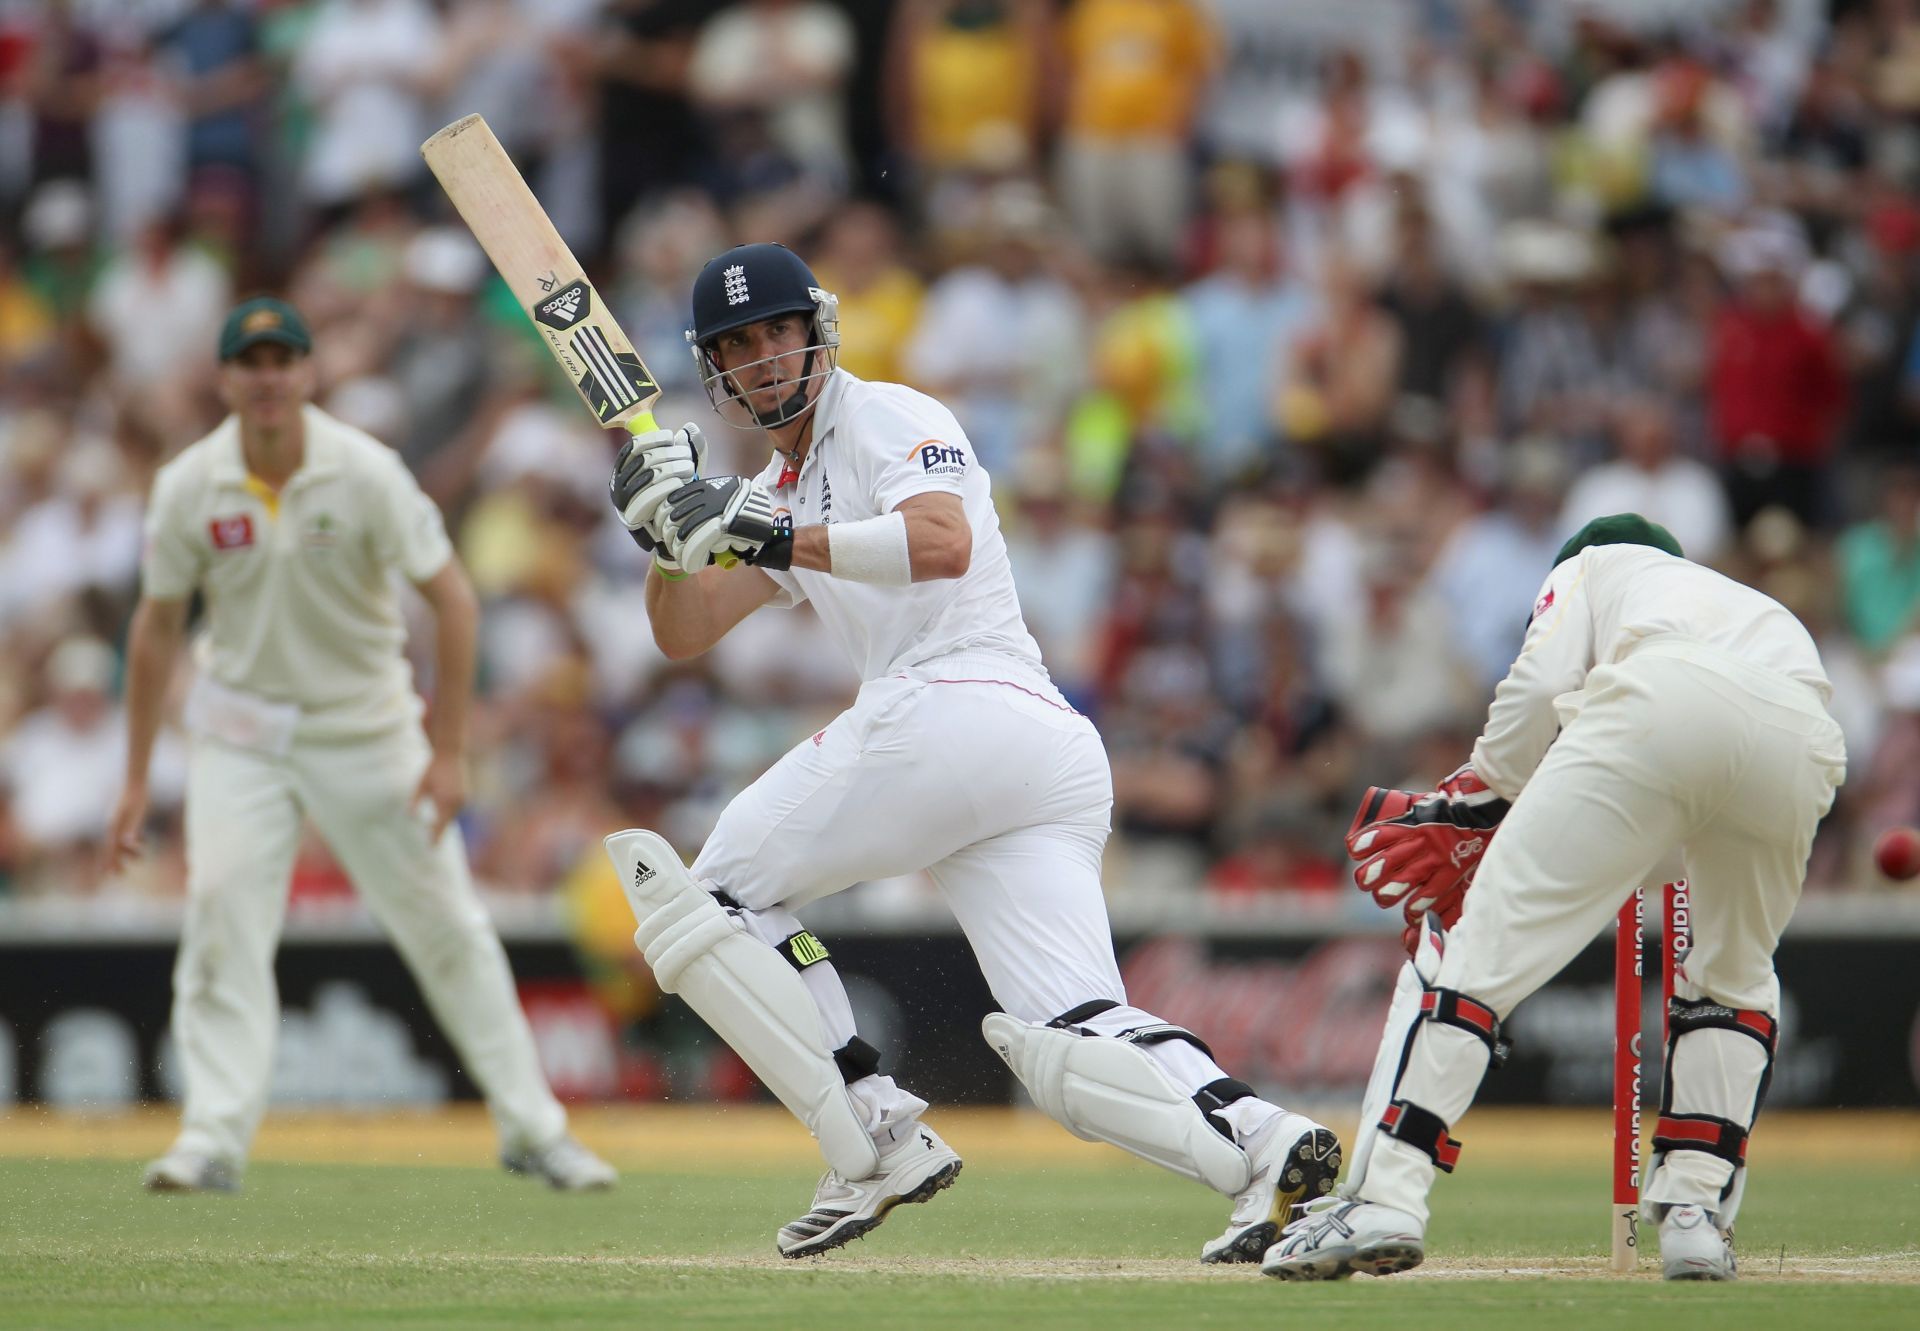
(1419, 851)
(1447, 913)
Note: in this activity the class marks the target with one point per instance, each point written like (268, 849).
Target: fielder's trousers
(244, 811)
(1680, 745)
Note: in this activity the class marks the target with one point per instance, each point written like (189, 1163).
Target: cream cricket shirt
(874, 446)
(301, 607)
(1594, 610)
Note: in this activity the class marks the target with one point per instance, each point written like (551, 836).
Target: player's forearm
(153, 643)
(456, 630)
(675, 610)
(937, 544)
(810, 549)
(690, 614)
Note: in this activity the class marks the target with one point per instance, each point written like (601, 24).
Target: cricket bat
(542, 273)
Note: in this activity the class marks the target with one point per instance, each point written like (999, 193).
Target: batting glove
(649, 469)
(724, 517)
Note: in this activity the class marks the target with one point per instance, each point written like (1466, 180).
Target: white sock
(890, 1112)
(1250, 1118)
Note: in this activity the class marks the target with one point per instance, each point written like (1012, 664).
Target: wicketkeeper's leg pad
(1402, 1012)
(1107, 1088)
(1436, 1048)
(1719, 1060)
(749, 993)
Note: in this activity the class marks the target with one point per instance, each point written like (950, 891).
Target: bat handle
(642, 422)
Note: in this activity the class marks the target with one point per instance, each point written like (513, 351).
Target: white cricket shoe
(190, 1171)
(1336, 1237)
(1694, 1247)
(912, 1170)
(1295, 1160)
(565, 1165)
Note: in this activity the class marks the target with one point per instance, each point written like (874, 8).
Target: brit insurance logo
(938, 458)
(735, 279)
(565, 307)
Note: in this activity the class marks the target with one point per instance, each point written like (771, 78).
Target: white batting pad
(742, 988)
(1108, 1090)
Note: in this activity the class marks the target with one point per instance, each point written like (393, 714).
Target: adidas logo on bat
(564, 308)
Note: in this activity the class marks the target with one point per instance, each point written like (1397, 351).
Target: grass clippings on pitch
(1075, 1237)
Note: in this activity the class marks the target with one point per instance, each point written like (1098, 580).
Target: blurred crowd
(1296, 339)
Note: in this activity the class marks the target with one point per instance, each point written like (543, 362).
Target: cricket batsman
(290, 525)
(1655, 707)
(959, 757)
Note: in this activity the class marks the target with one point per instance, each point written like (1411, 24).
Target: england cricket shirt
(874, 446)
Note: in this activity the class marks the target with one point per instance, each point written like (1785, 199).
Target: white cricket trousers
(1680, 746)
(244, 811)
(979, 774)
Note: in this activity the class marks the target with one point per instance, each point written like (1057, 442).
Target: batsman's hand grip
(642, 422)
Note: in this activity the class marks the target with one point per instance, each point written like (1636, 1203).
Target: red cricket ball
(1897, 852)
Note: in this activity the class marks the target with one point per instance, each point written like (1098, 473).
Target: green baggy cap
(1619, 529)
(263, 319)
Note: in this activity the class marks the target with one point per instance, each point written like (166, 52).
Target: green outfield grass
(325, 1245)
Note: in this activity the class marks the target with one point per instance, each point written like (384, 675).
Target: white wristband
(872, 550)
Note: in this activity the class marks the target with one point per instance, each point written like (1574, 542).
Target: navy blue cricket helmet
(746, 285)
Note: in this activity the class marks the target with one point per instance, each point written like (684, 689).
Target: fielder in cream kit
(959, 757)
(291, 525)
(1656, 708)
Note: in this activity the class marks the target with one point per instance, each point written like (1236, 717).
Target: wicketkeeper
(1655, 706)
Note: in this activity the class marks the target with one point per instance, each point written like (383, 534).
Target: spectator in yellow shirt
(967, 90)
(879, 295)
(1135, 72)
